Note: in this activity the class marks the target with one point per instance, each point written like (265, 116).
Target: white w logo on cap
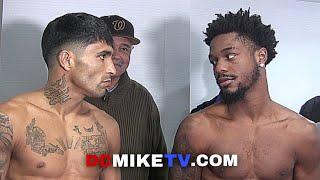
(119, 24)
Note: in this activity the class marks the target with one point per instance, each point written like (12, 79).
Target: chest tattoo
(36, 138)
(91, 142)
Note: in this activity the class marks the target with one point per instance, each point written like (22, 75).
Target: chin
(96, 94)
(229, 89)
(101, 94)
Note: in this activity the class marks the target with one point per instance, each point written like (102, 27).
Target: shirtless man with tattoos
(47, 133)
(271, 141)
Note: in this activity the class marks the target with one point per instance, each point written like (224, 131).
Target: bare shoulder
(305, 138)
(188, 135)
(105, 122)
(15, 108)
(199, 125)
(18, 107)
(13, 115)
(306, 131)
(195, 122)
(211, 119)
(301, 130)
(101, 115)
(300, 125)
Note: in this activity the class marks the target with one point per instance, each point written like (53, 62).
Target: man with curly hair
(270, 141)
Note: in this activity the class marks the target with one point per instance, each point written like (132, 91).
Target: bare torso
(47, 146)
(267, 149)
(264, 151)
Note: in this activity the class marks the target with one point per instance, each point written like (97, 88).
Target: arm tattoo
(6, 142)
(182, 145)
(57, 92)
(6, 132)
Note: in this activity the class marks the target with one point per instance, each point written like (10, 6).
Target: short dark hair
(249, 27)
(73, 28)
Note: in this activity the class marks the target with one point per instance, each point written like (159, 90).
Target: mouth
(118, 65)
(225, 81)
(106, 82)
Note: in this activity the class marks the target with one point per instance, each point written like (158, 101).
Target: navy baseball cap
(119, 26)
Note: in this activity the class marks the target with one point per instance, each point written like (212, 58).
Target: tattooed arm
(113, 133)
(188, 140)
(6, 143)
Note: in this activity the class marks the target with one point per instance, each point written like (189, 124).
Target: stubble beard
(229, 97)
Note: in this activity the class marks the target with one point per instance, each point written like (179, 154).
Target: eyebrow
(222, 51)
(128, 46)
(105, 52)
(228, 48)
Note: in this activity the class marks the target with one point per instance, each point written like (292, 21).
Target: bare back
(285, 146)
(46, 146)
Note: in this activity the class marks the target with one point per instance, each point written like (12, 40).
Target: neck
(256, 104)
(61, 95)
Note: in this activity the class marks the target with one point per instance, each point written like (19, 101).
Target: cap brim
(133, 40)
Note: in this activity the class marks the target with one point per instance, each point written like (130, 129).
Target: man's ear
(261, 56)
(65, 59)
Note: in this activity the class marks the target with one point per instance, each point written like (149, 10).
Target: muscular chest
(262, 153)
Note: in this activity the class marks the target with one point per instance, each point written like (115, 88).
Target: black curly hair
(248, 27)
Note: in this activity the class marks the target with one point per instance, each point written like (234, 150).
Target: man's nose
(221, 66)
(116, 54)
(109, 66)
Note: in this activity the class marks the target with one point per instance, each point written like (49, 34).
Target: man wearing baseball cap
(131, 105)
